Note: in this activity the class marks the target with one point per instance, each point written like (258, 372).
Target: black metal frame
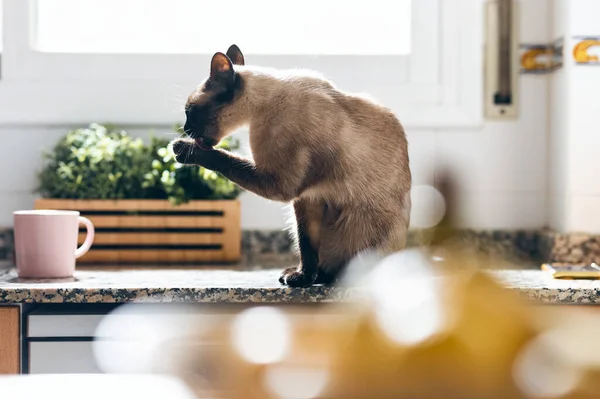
(55, 309)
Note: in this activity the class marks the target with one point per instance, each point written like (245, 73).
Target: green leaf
(103, 162)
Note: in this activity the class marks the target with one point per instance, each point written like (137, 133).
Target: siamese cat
(339, 158)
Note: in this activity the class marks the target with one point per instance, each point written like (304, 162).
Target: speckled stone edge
(256, 287)
(567, 296)
(576, 248)
(266, 242)
(515, 246)
(518, 246)
(315, 294)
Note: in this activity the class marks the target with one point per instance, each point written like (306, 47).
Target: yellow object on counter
(590, 272)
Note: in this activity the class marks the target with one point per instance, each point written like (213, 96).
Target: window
(135, 61)
(380, 27)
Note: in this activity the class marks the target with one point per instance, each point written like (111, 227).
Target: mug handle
(89, 238)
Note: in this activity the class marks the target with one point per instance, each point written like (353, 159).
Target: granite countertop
(217, 284)
(234, 285)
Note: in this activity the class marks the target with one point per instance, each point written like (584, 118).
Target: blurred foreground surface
(93, 386)
(432, 326)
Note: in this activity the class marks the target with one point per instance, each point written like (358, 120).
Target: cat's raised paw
(184, 151)
(294, 278)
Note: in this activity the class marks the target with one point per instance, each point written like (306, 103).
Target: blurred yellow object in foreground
(428, 334)
(430, 326)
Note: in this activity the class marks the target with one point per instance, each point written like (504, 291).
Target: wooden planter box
(154, 231)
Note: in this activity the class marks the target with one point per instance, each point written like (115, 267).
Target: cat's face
(207, 109)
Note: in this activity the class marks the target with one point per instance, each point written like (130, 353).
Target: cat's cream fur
(340, 158)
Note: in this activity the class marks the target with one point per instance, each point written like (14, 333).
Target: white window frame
(438, 84)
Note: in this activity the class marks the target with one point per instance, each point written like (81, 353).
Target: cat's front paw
(285, 273)
(293, 277)
(185, 151)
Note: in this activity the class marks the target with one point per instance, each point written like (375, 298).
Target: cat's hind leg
(309, 215)
(345, 233)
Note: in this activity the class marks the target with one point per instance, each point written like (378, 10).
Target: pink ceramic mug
(46, 242)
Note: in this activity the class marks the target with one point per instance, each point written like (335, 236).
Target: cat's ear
(235, 55)
(221, 70)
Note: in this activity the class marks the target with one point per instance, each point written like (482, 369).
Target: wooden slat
(9, 340)
(232, 234)
(152, 256)
(134, 205)
(158, 221)
(154, 238)
(229, 223)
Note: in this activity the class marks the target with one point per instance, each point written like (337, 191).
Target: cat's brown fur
(341, 159)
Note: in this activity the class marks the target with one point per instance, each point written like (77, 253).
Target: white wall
(574, 135)
(558, 143)
(584, 129)
(500, 166)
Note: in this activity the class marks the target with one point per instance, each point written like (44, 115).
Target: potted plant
(145, 206)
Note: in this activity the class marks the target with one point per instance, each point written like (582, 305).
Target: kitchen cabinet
(10, 333)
